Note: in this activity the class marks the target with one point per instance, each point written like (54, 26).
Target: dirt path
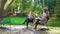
(23, 30)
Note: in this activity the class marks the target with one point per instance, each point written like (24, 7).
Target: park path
(24, 30)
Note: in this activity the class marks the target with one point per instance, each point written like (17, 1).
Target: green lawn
(55, 22)
(13, 20)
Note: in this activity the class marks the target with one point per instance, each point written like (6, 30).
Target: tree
(57, 9)
(3, 7)
(51, 4)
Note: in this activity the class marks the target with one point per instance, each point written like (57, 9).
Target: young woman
(29, 18)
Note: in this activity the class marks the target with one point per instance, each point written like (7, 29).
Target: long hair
(47, 13)
(30, 12)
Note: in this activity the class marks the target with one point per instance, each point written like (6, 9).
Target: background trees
(23, 6)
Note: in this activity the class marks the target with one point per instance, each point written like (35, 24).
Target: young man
(43, 20)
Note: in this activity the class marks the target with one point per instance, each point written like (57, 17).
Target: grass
(13, 20)
(55, 22)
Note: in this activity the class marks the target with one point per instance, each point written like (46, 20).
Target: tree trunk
(2, 11)
(2, 3)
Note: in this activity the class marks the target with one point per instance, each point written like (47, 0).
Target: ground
(24, 30)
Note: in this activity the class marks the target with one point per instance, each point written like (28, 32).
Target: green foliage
(57, 9)
(54, 21)
(38, 12)
(25, 5)
(51, 5)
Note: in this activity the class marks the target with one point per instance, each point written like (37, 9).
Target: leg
(25, 20)
(35, 25)
(27, 25)
(32, 21)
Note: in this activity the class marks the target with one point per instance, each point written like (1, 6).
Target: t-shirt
(30, 15)
(43, 16)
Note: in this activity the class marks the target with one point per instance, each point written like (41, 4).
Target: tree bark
(2, 3)
(2, 11)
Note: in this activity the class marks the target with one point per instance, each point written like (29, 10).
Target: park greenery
(14, 11)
